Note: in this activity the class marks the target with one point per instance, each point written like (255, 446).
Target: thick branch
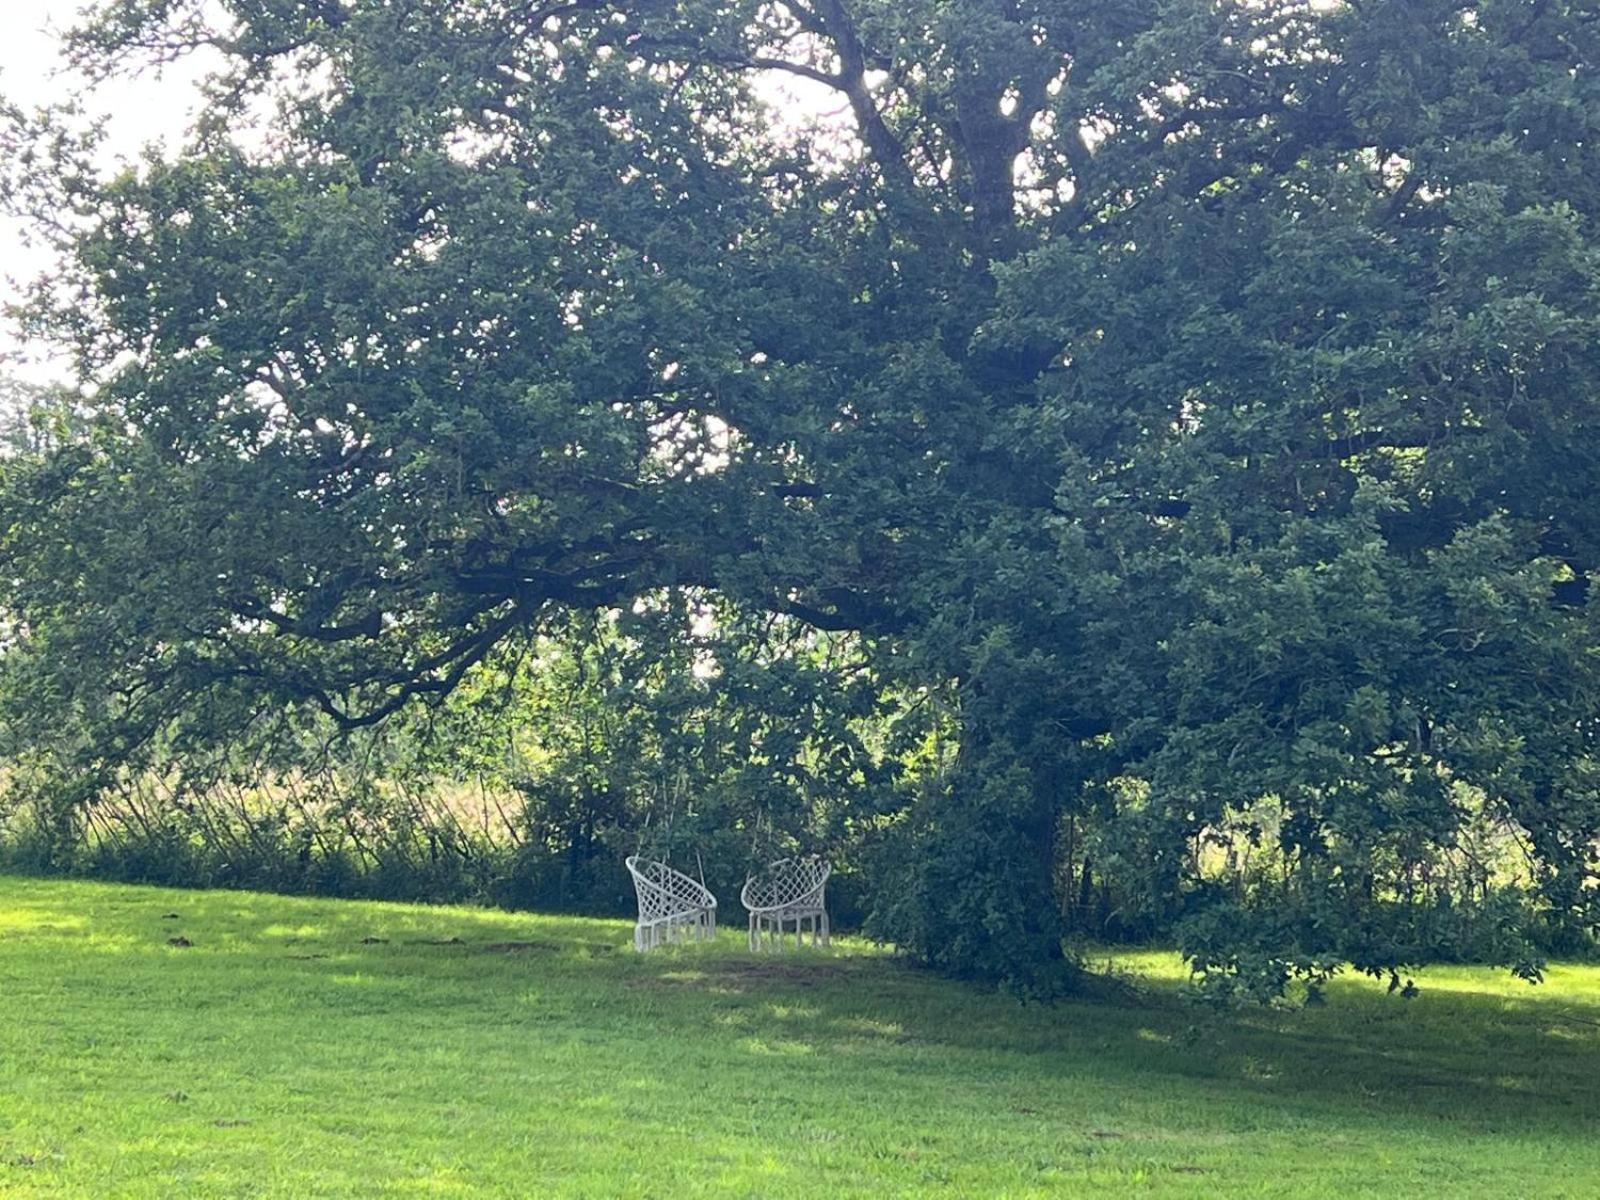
(368, 626)
(881, 143)
(470, 655)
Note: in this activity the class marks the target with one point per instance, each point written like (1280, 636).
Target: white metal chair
(672, 907)
(789, 891)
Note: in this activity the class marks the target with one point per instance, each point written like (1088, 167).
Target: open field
(327, 1048)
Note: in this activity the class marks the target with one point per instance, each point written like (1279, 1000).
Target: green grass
(282, 1055)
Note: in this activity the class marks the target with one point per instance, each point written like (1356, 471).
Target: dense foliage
(1186, 407)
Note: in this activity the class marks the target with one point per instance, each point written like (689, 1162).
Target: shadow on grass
(1490, 1061)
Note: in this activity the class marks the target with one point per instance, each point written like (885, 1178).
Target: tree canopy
(1196, 396)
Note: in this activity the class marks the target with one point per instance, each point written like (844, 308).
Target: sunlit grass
(324, 1048)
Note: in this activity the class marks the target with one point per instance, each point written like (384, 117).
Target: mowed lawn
(303, 1047)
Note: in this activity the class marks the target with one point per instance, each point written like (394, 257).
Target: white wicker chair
(787, 892)
(672, 907)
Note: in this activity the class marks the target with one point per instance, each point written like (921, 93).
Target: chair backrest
(664, 892)
(787, 882)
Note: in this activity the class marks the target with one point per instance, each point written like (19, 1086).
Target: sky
(31, 73)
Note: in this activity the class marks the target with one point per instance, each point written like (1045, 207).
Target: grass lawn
(329, 1048)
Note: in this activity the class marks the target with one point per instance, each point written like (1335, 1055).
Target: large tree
(1200, 392)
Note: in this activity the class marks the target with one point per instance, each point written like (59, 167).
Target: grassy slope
(282, 1056)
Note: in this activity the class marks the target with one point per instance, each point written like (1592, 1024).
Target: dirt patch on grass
(546, 946)
(738, 976)
(522, 947)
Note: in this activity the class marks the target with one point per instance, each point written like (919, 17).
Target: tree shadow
(1481, 1061)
